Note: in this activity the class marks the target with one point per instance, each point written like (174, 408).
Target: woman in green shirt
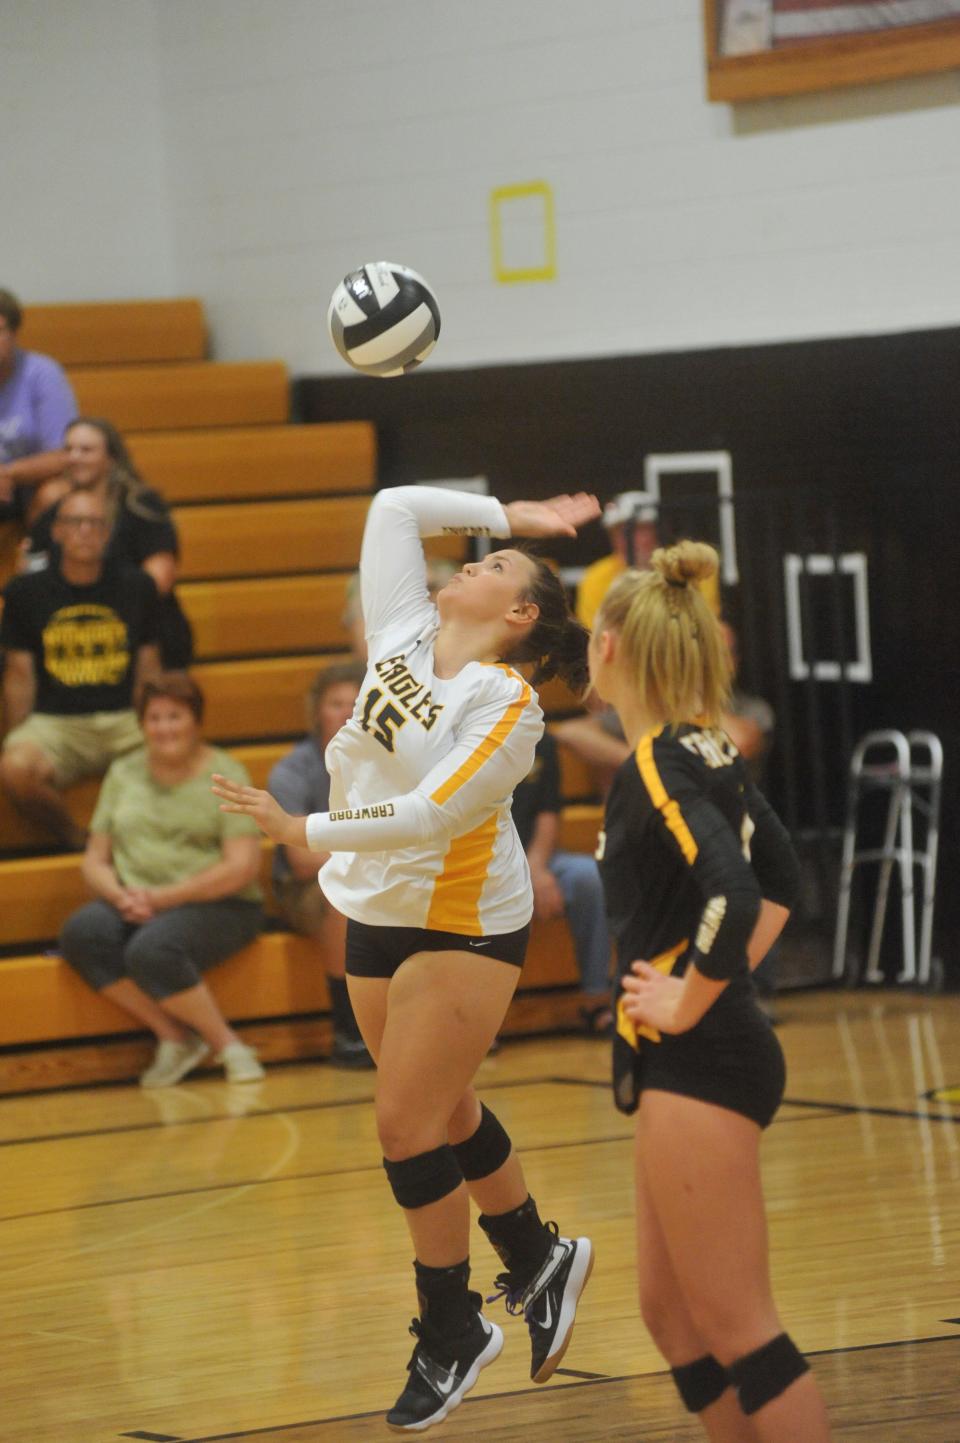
(175, 881)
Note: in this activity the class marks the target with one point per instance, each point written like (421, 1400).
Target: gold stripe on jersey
(664, 803)
(455, 905)
(631, 1031)
(494, 739)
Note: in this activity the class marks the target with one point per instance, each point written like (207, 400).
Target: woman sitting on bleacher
(176, 888)
(142, 530)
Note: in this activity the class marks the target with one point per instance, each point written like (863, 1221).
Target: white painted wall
(293, 139)
(84, 212)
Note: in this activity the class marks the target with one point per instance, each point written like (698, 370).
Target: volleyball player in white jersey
(427, 866)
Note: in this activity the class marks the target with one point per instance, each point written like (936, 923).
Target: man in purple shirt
(36, 403)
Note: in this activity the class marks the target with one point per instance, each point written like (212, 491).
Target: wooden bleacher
(250, 462)
(184, 394)
(112, 332)
(55, 1032)
(232, 539)
(579, 822)
(270, 517)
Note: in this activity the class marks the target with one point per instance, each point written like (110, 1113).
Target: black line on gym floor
(281, 1178)
(154, 1437)
(329, 1106)
(577, 1373)
(822, 1108)
(873, 1347)
(591, 1382)
(854, 1109)
(850, 1108)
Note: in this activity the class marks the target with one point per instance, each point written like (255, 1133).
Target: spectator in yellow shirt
(631, 522)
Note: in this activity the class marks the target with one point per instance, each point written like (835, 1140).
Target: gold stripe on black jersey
(664, 803)
(631, 1031)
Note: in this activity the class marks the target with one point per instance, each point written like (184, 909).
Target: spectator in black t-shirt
(142, 532)
(80, 638)
(565, 884)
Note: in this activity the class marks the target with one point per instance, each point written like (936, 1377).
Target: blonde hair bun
(685, 562)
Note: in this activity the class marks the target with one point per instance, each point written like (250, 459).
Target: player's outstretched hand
(560, 516)
(262, 807)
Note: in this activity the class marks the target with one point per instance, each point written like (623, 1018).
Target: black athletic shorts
(738, 1065)
(379, 951)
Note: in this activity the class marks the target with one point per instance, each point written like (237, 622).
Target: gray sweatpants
(166, 955)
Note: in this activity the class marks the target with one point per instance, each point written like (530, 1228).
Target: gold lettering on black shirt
(86, 645)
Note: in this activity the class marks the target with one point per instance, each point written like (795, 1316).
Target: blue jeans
(578, 877)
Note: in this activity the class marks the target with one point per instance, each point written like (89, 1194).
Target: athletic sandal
(442, 1371)
(549, 1300)
(240, 1063)
(173, 1060)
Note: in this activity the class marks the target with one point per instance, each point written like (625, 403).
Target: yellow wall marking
(501, 206)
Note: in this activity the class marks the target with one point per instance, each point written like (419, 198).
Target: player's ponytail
(556, 643)
(669, 639)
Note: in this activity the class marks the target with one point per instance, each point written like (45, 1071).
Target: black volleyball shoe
(549, 1300)
(442, 1371)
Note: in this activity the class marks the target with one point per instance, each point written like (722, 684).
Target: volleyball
(384, 319)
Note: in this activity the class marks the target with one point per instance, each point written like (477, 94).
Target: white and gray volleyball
(384, 319)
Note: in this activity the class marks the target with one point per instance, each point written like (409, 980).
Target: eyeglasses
(96, 523)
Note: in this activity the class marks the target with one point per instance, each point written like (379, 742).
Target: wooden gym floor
(213, 1263)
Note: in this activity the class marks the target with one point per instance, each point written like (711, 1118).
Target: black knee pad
(426, 1178)
(486, 1150)
(764, 1374)
(701, 1382)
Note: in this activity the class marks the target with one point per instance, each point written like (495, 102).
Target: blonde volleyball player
(699, 875)
(427, 866)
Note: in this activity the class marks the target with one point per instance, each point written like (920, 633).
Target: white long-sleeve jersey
(422, 775)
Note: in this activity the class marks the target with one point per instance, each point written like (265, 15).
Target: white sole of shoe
(490, 1353)
(576, 1282)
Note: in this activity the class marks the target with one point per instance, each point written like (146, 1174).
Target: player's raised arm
(393, 575)
(392, 566)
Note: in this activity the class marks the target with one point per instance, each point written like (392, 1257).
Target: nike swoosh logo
(485, 943)
(444, 1389)
(548, 1312)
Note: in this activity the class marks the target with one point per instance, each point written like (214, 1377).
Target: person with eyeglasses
(80, 639)
(142, 530)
